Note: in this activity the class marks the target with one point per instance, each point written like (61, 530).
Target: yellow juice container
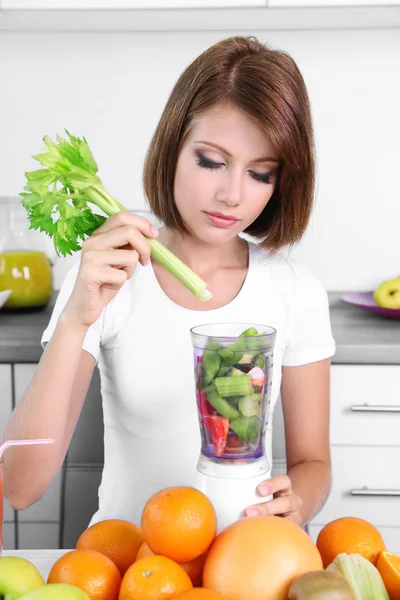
(25, 268)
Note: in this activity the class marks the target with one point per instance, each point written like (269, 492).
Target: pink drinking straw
(9, 443)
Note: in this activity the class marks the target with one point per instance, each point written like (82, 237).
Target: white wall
(111, 88)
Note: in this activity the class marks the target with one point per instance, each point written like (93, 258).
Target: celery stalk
(57, 199)
(234, 386)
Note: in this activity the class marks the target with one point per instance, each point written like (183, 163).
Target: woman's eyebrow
(262, 159)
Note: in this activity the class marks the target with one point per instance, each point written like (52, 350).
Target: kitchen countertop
(42, 559)
(362, 337)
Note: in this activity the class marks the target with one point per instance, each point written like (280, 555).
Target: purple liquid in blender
(233, 374)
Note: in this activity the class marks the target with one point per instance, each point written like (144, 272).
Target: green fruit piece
(224, 369)
(234, 400)
(17, 576)
(387, 295)
(250, 406)
(211, 361)
(224, 407)
(247, 428)
(259, 361)
(249, 331)
(56, 591)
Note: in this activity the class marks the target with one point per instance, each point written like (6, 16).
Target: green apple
(17, 576)
(387, 294)
(55, 591)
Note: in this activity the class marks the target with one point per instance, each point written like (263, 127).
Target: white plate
(4, 296)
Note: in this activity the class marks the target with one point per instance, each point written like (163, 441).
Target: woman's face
(227, 168)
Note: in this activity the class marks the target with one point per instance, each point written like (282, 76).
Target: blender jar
(233, 375)
(24, 265)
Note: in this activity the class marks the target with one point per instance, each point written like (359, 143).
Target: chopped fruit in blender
(257, 376)
(234, 399)
(234, 372)
(234, 386)
(224, 407)
(234, 352)
(246, 362)
(218, 428)
(249, 331)
(251, 406)
(211, 361)
(233, 442)
(209, 388)
(224, 369)
(247, 428)
(259, 361)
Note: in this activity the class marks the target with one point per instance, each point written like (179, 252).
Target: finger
(121, 236)
(105, 275)
(126, 218)
(277, 506)
(280, 483)
(115, 258)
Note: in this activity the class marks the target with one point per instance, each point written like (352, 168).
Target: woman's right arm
(51, 406)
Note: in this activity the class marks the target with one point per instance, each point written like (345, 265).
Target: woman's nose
(232, 192)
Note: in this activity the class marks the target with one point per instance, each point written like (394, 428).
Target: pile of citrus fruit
(176, 553)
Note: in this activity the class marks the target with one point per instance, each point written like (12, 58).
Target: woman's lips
(221, 221)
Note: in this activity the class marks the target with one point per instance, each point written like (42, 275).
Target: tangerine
(352, 536)
(180, 523)
(194, 568)
(200, 594)
(89, 570)
(118, 539)
(388, 565)
(154, 578)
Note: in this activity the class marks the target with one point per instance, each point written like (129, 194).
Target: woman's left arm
(300, 494)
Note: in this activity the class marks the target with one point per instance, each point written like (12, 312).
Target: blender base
(231, 486)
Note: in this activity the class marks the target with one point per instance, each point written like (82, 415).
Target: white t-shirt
(144, 351)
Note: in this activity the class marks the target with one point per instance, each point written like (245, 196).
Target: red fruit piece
(218, 428)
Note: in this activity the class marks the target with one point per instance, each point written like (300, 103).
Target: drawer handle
(374, 408)
(365, 491)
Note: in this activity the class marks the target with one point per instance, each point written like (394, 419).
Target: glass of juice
(1, 506)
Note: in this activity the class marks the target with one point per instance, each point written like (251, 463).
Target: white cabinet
(38, 525)
(126, 4)
(329, 3)
(196, 15)
(365, 449)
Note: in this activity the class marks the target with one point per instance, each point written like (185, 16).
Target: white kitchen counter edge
(42, 559)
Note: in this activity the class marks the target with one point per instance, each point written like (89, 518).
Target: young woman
(232, 153)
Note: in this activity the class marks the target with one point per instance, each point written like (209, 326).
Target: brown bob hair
(268, 86)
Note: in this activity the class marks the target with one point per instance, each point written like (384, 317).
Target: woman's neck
(204, 258)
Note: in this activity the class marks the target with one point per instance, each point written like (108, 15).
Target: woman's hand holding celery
(58, 200)
(109, 257)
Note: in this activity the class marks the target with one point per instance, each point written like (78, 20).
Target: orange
(154, 578)
(194, 568)
(257, 558)
(180, 523)
(89, 570)
(118, 539)
(200, 594)
(144, 551)
(350, 535)
(388, 566)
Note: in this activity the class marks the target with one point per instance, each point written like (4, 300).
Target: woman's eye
(206, 163)
(263, 177)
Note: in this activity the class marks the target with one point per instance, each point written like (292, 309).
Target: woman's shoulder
(285, 270)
